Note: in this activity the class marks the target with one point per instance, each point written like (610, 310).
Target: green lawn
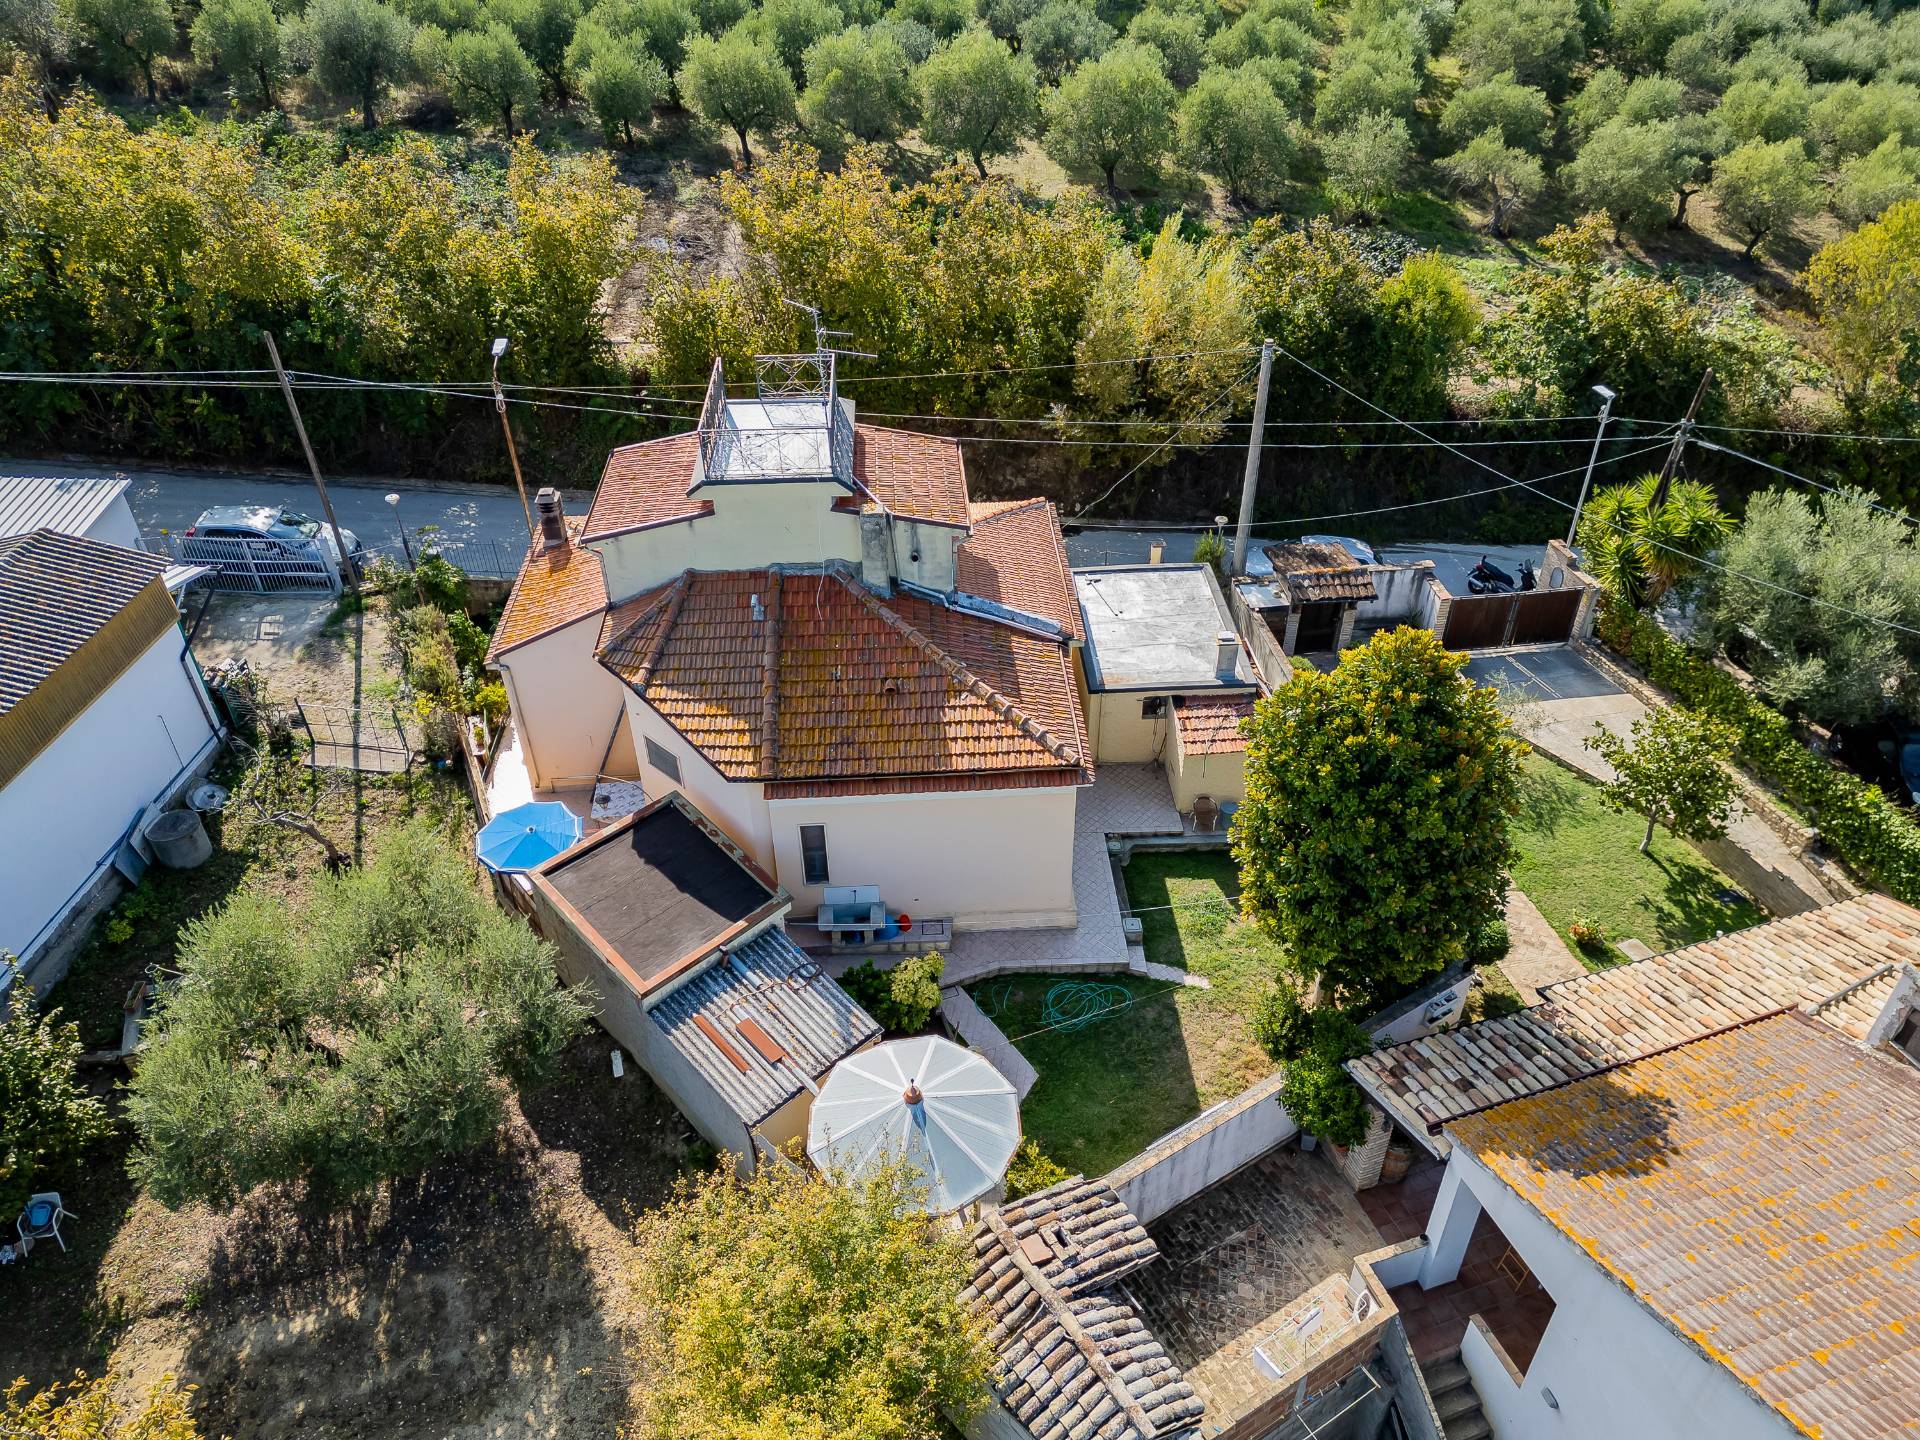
(1578, 858)
(1163, 1054)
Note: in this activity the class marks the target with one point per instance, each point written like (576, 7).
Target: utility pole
(349, 572)
(500, 405)
(1680, 439)
(1251, 481)
(1607, 397)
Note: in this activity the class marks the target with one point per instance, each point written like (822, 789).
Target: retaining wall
(1204, 1151)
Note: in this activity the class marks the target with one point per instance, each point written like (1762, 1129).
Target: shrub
(1587, 933)
(48, 1121)
(1031, 1170)
(1490, 944)
(1874, 837)
(1210, 548)
(902, 999)
(84, 1409)
(1314, 1046)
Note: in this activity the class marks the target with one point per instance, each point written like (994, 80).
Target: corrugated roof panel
(67, 503)
(770, 985)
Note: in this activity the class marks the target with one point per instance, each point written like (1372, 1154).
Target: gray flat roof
(68, 503)
(657, 888)
(1155, 627)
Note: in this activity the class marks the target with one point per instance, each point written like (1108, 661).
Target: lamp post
(1607, 397)
(406, 545)
(500, 405)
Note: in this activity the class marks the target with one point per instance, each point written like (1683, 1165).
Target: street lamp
(393, 499)
(500, 405)
(1607, 397)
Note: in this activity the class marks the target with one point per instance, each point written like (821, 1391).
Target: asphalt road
(481, 526)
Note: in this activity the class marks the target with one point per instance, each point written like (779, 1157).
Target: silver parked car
(270, 522)
(258, 548)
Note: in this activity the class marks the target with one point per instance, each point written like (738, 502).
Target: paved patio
(1123, 800)
(1241, 1262)
(1514, 1305)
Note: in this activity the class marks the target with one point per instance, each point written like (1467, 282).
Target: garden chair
(42, 1218)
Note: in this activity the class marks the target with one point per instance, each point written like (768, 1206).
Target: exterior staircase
(1454, 1398)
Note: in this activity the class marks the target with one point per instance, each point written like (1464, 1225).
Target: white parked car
(256, 548)
(269, 522)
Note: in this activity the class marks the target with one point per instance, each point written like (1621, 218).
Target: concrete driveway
(1557, 700)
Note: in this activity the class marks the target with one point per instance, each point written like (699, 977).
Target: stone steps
(1454, 1398)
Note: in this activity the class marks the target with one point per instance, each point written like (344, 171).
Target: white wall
(1117, 732)
(1204, 1151)
(737, 807)
(115, 525)
(997, 858)
(751, 526)
(66, 812)
(565, 704)
(1398, 591)
(1617, 1372)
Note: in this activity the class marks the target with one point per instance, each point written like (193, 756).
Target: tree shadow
(1693, 902)
(1600, 1128)
(1547, 800)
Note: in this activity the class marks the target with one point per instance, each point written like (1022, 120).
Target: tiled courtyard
(1241, 1262)
(1511, 1302)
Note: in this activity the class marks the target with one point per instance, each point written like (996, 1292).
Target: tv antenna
(821, 335)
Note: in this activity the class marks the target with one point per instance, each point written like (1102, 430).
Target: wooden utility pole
(1680, 438)
(349, 572)
(1250, 482)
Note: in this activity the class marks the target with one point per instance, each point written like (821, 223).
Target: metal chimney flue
(552, 517)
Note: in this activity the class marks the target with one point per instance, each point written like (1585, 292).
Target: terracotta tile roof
(1072, 1360)
(553, 590)
(646, 484)
(1854, 1009)
(56, 592)
(1210, 724)
(1757, 1190)
(917, 475)
(836, 684)
(920, 476)
(1320, 572)
(1016, 556)
(1595, 1021)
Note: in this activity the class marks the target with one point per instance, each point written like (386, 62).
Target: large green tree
(48, 1119)
(1114, 109)
(243, 39)
(360, 47)
(130, 33)
(1506, 175)
(1374, 840)
(977, 98)
(858, 84)
(621, 87)
(1233, 126)
(1626, 172)
(490, 74)
(1764, 189)
(791, 1305)
(1367, 163)
(359, 1037)
(738, 81)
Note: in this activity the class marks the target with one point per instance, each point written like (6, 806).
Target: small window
(1907, 1037)
(663, 760)
(1153, 707)
(813, 854)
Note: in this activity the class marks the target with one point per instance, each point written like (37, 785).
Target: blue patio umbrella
(527, 835)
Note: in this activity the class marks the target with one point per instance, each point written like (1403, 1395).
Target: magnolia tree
(1374, 843)
(1671, 768)
(789, 1305)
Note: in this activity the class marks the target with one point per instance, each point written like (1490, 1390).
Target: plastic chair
(42, 1218)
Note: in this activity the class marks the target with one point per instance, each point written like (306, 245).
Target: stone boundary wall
(1204, 1151)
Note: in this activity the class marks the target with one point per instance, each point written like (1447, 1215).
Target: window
(813, 854)
(663, 760)
(1153, 707)
(1907, 1037)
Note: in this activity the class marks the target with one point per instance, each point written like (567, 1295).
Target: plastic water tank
(179, 839)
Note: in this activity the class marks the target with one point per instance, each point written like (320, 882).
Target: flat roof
(1155, 627)
(658, 887)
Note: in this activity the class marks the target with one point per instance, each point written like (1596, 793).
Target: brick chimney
(552, 518)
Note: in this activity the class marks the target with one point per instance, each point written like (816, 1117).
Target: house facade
(804, 625)
(103, 720)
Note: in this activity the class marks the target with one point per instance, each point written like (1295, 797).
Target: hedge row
(1878, 840)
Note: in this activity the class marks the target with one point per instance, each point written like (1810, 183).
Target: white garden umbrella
(943, 1111)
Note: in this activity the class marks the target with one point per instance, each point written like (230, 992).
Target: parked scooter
(1486, 578)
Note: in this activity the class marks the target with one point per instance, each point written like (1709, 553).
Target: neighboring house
(804, 625)
(1699, 1170)
(93, 507)
(1072, 1360)
(677, 935)
(103, 718)
(1167, 679)
(1727, 1233)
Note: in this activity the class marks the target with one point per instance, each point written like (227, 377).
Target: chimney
(553, 519)
(1226, 662)
(755, 608)
(1156, 551)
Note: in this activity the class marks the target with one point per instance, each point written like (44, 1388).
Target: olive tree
(737, 81)
(1117, 108)
(1626, 172)
(1374, 841)
(359, 48)
(1521, 113)
(1061, 34)
(1177, 39)
(1537, 41)
(1867, 187)
(977, 98)
(242, 38)
(42, 30)
(621, 87)
(1233, 126)
(130, 33)
(1763, 189)
(1367, 162)
(489, 74)
(1508, 177)
(858, 83)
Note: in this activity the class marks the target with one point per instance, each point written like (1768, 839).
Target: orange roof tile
(1756, 1189)
(838, 685)
(1015, 556)
(553, 590)
(920, 476)
(646, 484)
(1210, 724)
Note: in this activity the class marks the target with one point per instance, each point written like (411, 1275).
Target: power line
(1900, 515)
(1813, 434)
(1225, 395)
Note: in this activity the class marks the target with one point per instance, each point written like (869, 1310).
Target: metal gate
(1532, 617)
(260, 566)
(353, 737)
